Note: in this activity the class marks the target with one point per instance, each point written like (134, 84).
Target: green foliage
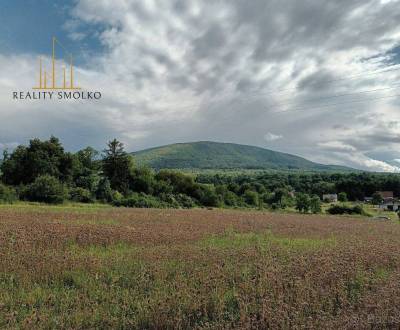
(251, 197)
(114, 178)
(80, 195)
(140, 201)
(178, 201)
(86, 168)
(46, 189)
(117, 166)
(377, 198)
(142, 180)
(207, 196)
(315, 204)
(26, 164)
(231, 199)
(7, 194)
(213, 155)
(104, 192)
(343, 209)
(279, 199)
(303, 202)
(342, 197)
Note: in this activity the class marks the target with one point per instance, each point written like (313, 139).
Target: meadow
(103, 267)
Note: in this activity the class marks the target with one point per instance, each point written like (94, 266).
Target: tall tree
(25, 164)
(117, 165)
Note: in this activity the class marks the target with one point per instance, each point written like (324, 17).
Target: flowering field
(128, 268)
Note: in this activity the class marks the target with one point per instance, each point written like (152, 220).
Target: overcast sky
(316, 78)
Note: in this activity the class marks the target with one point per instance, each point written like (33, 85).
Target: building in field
(386, 194)
(368, 200)
(392, 205)
(330, 198)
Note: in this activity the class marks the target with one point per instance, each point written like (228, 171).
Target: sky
(314, 78)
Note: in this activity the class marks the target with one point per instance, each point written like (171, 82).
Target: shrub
(104, 191)
(80, 195)
(343, 209)
(342, 197)
(250, 197)
(116, 196)
(207, 196)
(185, 201)
(46, 189)
(231, 199)
(178, 201)
(170, 200)
(7, 194)
(315, 204)
(180, 182)
(140, 200)
(142, 180)
(303, 202)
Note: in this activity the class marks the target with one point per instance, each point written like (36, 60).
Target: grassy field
(101, 267)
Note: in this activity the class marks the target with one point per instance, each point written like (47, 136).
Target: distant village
(385, 200)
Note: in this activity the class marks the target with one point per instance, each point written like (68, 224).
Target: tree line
(44, 172)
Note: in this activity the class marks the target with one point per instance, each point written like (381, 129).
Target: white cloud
(336, 146)
(272, 137)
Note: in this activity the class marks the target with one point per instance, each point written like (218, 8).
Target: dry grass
(124, 268)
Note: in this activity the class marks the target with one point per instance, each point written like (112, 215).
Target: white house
(331, 198)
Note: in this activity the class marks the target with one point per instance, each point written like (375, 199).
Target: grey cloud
(223, 70)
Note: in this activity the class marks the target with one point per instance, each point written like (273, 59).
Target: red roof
(386, 194)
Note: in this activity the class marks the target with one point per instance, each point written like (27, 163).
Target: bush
(178, 201)
(303, 202)
(342, 197)
(46, 189)
(80, 195)
(343, 209)
(7, 194)
(104, 191)
(315, 204)
(207, 196)
(116, 196)
(185, 201)
(251, 197)
(140, 200)
(142, 180)
(231, 199)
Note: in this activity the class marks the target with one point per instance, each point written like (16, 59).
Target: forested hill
(215, 155)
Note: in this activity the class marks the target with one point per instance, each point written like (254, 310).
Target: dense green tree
(86, 168)
(46, 189)
(251, 197)
(25, 164)
(104, 192)
(342, 197)
(142, 180)
(280, 197)
(117, 166)
(303, 202)
(7, 194)
(377, 198)
(80, 195)
(315, 204)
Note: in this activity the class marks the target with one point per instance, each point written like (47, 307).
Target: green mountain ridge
(216, 155)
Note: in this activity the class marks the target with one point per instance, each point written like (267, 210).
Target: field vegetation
(94, 266)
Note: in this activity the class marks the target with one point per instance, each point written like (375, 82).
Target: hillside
(214, 155)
